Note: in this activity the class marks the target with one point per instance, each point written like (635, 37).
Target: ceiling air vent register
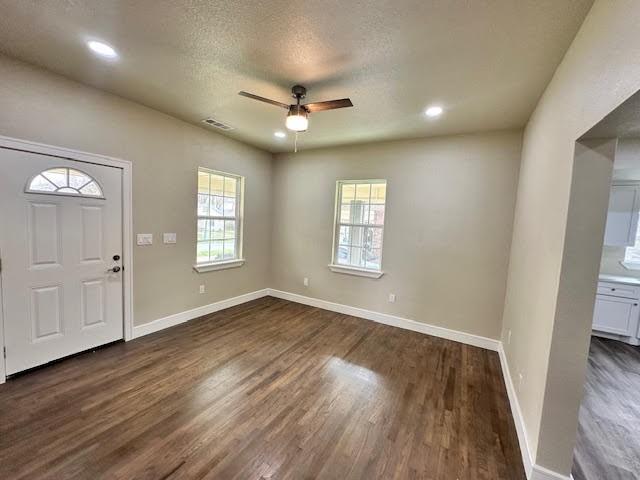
(212, 122)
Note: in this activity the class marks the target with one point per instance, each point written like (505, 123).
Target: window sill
(210, 267)
(360, 272)
(630, 266)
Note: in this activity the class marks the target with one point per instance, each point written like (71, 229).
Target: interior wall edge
(532, 470)
(572, 324)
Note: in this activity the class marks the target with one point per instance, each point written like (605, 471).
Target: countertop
(620, 279)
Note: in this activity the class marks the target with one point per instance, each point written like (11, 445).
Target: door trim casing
(127, 221)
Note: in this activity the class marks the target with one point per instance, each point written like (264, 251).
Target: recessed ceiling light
(102, 49)
(434, 111)
(280, 134)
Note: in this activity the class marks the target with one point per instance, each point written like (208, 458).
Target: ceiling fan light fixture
(297, 119)
(297, 114)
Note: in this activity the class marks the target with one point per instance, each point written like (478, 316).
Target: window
(219, 242)
(357, 244)
(64, 181)
(632, 254)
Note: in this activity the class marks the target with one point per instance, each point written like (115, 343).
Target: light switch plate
(144, 239)
(169, 237)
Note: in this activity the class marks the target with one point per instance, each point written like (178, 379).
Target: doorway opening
(608, 442)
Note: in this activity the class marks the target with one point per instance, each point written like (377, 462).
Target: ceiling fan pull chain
(295, 144)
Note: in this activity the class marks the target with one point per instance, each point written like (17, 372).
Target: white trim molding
(181, 317)
(384, 318)
(387, 319)
(541, 473)
(213, 266)
(516, 412)
(3, 370)
(533, 471)
(127, 216)
(360, 272)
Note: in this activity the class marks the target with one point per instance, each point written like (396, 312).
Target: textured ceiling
(485, 61)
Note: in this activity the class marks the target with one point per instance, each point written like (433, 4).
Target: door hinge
(4, 352)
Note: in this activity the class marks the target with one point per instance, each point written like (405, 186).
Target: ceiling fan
(298, 116)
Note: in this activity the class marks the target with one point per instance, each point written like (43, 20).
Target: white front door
(61, 249)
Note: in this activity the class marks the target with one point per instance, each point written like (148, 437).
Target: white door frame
(127, 221)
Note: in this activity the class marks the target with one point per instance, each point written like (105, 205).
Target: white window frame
(348, 269)
(239, 260)
(57, 192)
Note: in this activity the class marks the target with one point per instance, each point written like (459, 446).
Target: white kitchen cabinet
(622, 218)
(615, 315)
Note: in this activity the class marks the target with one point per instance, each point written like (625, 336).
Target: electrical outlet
(509, 337)
(144, 239)
(305, 282)
(392, 297)
(202, 289)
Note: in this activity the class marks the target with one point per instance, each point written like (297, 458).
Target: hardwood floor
(608, 443)
(269, 389)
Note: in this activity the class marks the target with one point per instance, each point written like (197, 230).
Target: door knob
(115, 269)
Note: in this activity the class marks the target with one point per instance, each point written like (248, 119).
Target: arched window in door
(64, 181)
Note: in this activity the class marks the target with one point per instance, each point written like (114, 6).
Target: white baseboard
(455, 335)
(533, 471)
(541, 473)
(178, 318)
(518, 419)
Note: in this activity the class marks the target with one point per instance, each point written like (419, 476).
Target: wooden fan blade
(328, 105)
(265, 100)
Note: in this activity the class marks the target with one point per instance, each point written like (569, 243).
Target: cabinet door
(615, 315)
(622, 218)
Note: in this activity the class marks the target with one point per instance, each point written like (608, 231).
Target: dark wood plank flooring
(608, 443)
(269, 389)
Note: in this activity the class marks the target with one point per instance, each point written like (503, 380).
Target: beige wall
(600, 70)
(447, 229)
(42, 107)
